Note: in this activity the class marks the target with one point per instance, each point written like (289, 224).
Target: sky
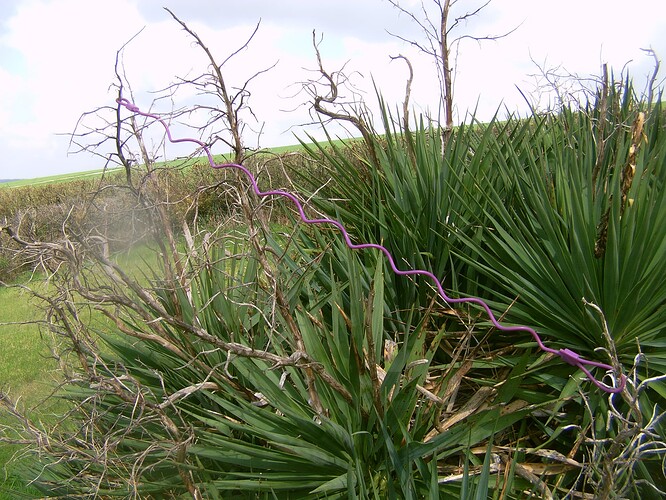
(57, 62)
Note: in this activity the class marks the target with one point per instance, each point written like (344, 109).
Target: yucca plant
(536, 215)
(540, 244)
(209, 390)
(576, 251)
(409, 201)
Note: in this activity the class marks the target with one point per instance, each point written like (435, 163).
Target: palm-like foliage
(534, 215)
(540, 244)
(513, 212)
(298, 368)
(411, 200)
(212, 395)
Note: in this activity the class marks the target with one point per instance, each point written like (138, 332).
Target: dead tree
(90, 278)
(442, 36)
(129, 150)
(327, 101)
(233, 100)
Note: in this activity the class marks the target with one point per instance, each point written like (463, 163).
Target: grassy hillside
(178, 163)
(51, 179)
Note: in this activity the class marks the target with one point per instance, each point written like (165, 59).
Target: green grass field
(25, 360)
(53, 179)
(27, 373)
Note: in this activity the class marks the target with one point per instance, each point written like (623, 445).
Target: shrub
(514, 211)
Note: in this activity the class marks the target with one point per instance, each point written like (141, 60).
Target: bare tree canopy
(443, 24)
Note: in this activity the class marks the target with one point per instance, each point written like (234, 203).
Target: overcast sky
(57, 56)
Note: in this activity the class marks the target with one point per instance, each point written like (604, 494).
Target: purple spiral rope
(567, 355)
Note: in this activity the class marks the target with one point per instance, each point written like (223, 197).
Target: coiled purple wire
(567, 355)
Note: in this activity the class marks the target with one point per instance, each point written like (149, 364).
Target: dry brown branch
(652, 82)
(440, 40)
(321, 102)
(86, 278)
(232, 106)
(405, 108)
(214, 83)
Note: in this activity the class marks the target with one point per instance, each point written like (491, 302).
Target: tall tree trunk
(447, 86)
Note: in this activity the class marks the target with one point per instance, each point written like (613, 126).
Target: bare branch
(408, 90)
(319, 101)
(651, 84)
(466, 16)
(232, 103)
(438, 35)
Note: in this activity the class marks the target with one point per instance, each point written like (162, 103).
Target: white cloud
(67, 48)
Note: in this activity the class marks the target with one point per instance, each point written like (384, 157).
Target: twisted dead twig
(321, 101)
(634, 439)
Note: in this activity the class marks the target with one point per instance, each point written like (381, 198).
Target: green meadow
(27, 372)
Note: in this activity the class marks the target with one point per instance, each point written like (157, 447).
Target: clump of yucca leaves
(558, 221)
(291, 366)
(214, 388)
